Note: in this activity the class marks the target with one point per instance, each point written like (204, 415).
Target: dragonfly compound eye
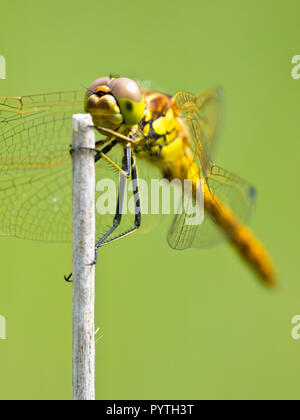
(102, 105)
(130, 99)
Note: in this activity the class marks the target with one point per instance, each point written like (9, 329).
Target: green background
(176, 325)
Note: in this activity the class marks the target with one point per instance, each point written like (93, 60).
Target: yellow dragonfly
(176, 134)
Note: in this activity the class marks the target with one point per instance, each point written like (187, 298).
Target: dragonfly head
(113, 102)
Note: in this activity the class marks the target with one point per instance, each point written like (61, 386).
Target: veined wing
(231, 192)
(11, 106)
(31, 130)
(201, 115)
(35, 165)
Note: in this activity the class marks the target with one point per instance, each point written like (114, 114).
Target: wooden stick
(83, 256)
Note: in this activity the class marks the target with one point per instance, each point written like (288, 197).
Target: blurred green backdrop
(194, 324)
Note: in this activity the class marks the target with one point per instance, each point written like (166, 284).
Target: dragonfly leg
(107, 148)
(125, 173)
(98, 152)
(122, 185)
(102, 153)
(118, 217)
(112, 133)
(127, 157)
(68, 278)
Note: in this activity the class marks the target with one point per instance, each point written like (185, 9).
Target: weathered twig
(83, 257)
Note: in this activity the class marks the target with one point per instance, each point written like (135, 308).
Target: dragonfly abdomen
(249, 248)
(242, 239)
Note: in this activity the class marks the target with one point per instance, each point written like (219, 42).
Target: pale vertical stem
(83, 256)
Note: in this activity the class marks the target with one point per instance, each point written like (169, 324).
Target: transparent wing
(201, 115)
(35, 165)
(60, 102)
(231, 191)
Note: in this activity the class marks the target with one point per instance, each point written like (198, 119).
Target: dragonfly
(176, 134)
